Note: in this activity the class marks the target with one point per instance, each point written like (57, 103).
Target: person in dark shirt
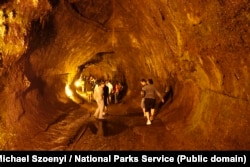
(106, 97)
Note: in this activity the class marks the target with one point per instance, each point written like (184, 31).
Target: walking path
(123, 129)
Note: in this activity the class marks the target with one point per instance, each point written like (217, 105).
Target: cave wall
(200, 47)
(15, 25)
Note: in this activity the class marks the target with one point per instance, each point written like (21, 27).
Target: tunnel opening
(92, 72)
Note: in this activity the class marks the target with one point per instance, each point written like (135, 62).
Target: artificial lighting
(78, 83)
(68, 91)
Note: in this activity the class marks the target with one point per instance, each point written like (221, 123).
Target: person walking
(98, 95)
(143, 83)
(150, 100)
(89, 90)
(105, 96)
(117, 89)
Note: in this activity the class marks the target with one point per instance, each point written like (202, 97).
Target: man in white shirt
(98, 95)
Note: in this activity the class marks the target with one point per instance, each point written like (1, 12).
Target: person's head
(143, 82)
(150, 81)
(101, 83)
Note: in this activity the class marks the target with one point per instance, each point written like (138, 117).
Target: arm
(143, 92)
(159, 95)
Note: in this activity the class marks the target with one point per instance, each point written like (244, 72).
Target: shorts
(149, 104)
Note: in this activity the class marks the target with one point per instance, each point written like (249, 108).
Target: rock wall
(200, 48)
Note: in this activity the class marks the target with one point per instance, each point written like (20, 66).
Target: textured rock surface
(201, 48)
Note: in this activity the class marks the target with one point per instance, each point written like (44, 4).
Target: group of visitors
(103, 94)
(112, 93)
(103, 91)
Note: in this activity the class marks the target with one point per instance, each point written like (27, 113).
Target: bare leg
(152, 114)
(148, 120)
(144, 112)
(101, 104)
(143, 107)
(97, 112)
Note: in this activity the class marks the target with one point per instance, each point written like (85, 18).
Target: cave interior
(198, 49)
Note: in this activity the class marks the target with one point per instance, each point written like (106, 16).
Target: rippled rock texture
(198, 47)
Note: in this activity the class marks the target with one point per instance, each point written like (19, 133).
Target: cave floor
(123, 129)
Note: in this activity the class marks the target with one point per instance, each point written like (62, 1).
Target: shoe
(101, 118)
(105, 113)
(148, 122)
